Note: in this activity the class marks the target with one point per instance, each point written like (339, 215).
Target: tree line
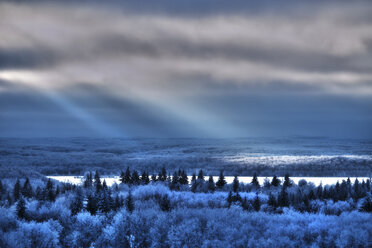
(95, 196)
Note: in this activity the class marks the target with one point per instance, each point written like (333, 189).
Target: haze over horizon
(207, 69)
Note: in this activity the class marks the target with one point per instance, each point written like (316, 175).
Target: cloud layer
(171, 57)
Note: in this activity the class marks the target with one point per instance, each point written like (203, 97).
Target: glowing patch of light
(278, 160)
(20, 76)
(93, 122)
(205, 121)
(36, 81)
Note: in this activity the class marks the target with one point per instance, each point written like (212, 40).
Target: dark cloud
(186, 68)
(194, 8)
(25, 58)
(4, 83)
(251, 47)
(187, 7)
(117, 44)
(282, 58)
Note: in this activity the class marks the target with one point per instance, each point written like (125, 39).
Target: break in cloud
(164, 69)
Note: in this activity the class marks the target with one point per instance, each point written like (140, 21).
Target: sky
(202, 69)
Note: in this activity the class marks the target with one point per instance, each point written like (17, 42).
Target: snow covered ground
(298, 156)
(293, 159)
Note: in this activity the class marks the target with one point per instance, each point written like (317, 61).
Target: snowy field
(305, 157)
(315, 180)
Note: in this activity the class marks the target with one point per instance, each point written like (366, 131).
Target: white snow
(291, 159)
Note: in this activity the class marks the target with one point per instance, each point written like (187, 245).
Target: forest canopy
(170, 211)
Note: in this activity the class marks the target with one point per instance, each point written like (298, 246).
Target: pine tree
(175, 178)
(97, 181)
(153, 178)
(366, 205)
(319, 192)
(135, 178)
(39, 194)
(236, 184)
(229, 199)
(325, 193)
(77, 203)
(363, 185)
(184, 180)
(122, 177)
(272, 201)
(57, 191)
(357, 190)
(164, 203)
(2, 188)
(194, 186)
(193, 178)
(283, 200)
(275, 182)
(104, 184)
(128, 177)
(105, 203)
(21, 208)
(245, 204)
(211, 184)
(332, 193)
(92, 205)
(257, 203)
(129, 202)
(160, 176)
(311, 195)
(201, 175)
(163, 175)
(145, 178)
(17, 190)
(88, 182)
(255, 182)
(221, 181)
(287, 181)
(237, 197)
(49, 191)
(27, 189)
(49, 185)
(118, 203)
(348, 185)
(337, 195)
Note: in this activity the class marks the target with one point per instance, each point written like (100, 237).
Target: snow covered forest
(243, 157)
(166, 210)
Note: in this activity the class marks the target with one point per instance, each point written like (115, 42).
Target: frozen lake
(316, 180)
